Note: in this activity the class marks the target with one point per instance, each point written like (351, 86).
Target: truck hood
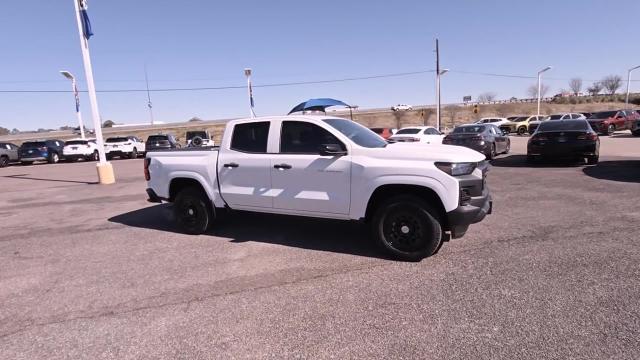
(429, 152)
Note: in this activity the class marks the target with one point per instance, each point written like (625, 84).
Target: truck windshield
(357, 133)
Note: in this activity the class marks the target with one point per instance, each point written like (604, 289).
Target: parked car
(497, 121)
(124, 147)
(484, 138)
(8, 154)
(44, 150)
(162, 142)
(520, 124)
(76, 149)
(199, 139)
(533, 125)
(608, 122)
(635, 125)
(422, 134)
(402, 107)
(384, 132)
(317, 166)
(564, 139)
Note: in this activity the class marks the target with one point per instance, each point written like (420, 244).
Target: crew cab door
(244, 167)
(302, 179)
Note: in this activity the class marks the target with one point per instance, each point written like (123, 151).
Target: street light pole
(540, 85)
(437, 85)
(440, 73)
(629, 82)
(70, 76)
(105, 170)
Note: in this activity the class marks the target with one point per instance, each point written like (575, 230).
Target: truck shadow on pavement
(621, 170)
(305, 233)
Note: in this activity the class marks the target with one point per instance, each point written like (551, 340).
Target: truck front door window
(298, 137)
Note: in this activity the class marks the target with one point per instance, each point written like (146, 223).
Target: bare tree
(487, 97)
(595, 89)
(532, 90)
(612, 83)
(575, 85)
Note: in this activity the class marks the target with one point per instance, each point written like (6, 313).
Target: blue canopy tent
(320, 105)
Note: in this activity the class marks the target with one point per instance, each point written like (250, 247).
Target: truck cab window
(250, 137)
(299, 137)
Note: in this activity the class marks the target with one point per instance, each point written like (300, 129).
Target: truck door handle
(282, 166)
(231, 165)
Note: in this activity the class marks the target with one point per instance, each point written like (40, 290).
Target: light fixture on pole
(247, 73)
(629, 82)
(105, 170)
(438, 111)
(70, 76)
(540, 85)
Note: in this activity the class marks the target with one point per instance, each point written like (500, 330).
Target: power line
(296, 83)
(234, 87)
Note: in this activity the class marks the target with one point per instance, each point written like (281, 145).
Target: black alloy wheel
(4, 161)
(407, 228)
(192, 212)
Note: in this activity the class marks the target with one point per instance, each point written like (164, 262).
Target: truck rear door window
(250, 137)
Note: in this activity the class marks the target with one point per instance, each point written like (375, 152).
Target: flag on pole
(75, 93)
(86, 24)
(251, 95)
(149, 104)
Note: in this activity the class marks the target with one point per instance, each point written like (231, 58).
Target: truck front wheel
(192, 211)
(407, 228)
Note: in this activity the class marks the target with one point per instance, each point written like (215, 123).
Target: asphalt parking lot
(96, 272)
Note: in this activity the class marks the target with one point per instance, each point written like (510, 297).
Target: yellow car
(520, 124)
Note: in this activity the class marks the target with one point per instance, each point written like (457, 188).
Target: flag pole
(247, 73)
(105, 170)
(78, 114)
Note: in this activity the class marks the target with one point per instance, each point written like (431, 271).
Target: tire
(192, 210)
(506, 151)
(611, 129)
(4, 161)
(406, 228)
(134, 154)
(522, 130)
(95, 156)
(593, 160)
(109, 157)
(54, 158)
(492, 152)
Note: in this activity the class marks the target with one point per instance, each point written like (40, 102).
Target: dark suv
(161, 142)
(45, 150)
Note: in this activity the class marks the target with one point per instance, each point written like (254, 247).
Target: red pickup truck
(607, 122)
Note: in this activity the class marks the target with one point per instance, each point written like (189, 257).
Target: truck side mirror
(331, 150)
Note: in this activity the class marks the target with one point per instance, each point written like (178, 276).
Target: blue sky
(203, 43)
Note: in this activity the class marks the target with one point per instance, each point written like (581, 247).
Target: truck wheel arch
(389, 190)
(179, 183)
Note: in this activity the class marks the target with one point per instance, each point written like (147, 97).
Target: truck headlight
(456, 169)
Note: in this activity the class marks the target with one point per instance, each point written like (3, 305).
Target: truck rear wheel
(192, 211)
(407, 228)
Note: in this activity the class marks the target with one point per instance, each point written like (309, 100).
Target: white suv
(124, 146)
(76, 149)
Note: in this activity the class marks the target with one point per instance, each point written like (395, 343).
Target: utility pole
(149, 105)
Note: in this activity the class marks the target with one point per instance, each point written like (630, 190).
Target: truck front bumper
(472, 209)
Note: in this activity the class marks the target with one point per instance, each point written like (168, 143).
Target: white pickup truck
(319, 166)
